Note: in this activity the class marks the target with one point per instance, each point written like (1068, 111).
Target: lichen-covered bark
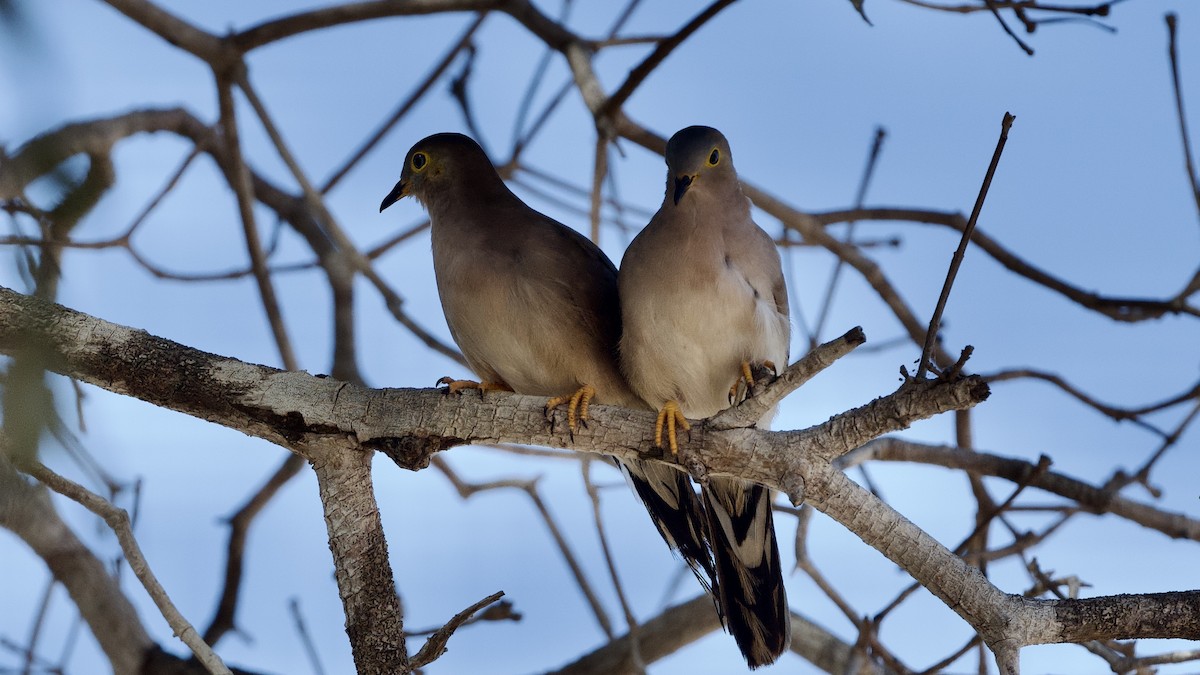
(360, 561)
(335, 425)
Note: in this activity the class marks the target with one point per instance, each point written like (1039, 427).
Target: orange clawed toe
(577, 406)
(670, 416)
(454, 386)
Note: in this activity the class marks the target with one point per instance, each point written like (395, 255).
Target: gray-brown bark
(332, 423)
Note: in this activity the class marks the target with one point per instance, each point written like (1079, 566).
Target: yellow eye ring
(419, 161)
(714, 158)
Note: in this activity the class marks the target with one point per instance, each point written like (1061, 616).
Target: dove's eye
(714, 158)
(419, 160)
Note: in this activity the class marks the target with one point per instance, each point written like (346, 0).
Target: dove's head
(441, 164)
(698, 158)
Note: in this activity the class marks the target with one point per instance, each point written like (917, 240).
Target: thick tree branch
(295, 409)
(327, 421)
(360, 558)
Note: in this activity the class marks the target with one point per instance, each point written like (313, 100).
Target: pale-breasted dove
(702, 299)
(533, 306)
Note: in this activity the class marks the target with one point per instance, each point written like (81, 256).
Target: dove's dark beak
(682, 183)
(397, 193)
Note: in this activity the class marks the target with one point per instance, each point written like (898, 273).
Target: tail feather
(676, 511)
(749, 582)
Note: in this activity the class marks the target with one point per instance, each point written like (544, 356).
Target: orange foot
(577, 406)
(454, 386)
(669, 416)
(746, 379)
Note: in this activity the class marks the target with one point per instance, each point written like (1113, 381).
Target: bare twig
(663, 635)
(1172, 21)
(239, 530)
(642, 70)
(1093, 499)
(572, 189)
(157, 199)
(467, 489)
(35, 628)
(630, 620)
(863, 184)
(310, 648)
(435, 646)
(956, 260)
(406, 105)
(118, 520)
(599, 171)
(239, 180)
(991, 5)
(796, 375)
(1116, 413)
(1118, 308)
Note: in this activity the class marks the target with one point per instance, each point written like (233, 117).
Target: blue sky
(1091, 187)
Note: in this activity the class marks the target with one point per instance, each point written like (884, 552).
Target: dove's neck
(724, 198)
(470, 199)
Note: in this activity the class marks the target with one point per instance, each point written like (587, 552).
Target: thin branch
(118, 520)
(539, 74)
(599, 171)
(642, 70)
(435, 646)
(1118, 308)
(310, 648)
(1141, 664)
(804, 369)
(576, 569)
(1101, 9)
(239, 180)
(177, 32)
(35, 628)
(326, 17)
(1093, 499)
(239, 530)
(1172, 21)
(598, 519)
(401, 110)
(1118, 414)
(468, 489)
(859, 197)
(662, 636)
(991, 5)
(166, 189)
(956, 260)
(395, 240)
(1142, 475)
(572, 189)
